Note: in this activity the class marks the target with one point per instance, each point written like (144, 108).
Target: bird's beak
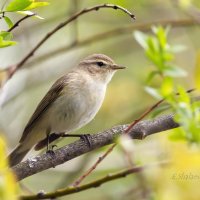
(116, 67)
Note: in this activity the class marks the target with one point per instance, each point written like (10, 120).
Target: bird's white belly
(72, 112)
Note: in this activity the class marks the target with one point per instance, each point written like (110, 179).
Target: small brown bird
(72, 101)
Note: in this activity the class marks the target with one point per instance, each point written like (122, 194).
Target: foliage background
(125, 99)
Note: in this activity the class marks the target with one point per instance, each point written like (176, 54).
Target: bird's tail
(17, 155)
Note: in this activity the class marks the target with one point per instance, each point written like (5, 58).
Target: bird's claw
(51, 150)
(86, 139)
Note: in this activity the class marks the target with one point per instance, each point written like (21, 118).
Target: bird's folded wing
(45, 103)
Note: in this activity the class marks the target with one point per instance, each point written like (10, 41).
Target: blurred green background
(126, 98)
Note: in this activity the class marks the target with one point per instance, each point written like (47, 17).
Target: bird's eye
(100, 64)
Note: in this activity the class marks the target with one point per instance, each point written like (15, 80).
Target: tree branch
(78, 148)
(93, 184)
(94, 166)
(18, 22)
(13, 68)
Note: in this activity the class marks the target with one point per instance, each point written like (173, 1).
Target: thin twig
(18, 22)
(13, 68)
(3, 5)
(89, 171)
(93, 184)
(74, 33)
(143, 115)
(69, 177)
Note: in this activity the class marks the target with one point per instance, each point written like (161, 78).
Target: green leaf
(153, 44)
(183, 95)
(6, 43)
(38, 17)
(8, 21)
(5, 39)
(160, 110)
(151, 76)
(154, 29)
(17, 5)
(168, 56)
(174, 71)
(141, 38)
(36, 5)
(153, 57)
(177, 134)
(167, 87)
(153, 92)
(6, 35)
(162, 38)
(27, 12)
(178, 48)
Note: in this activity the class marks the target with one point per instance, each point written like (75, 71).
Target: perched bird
(72, 101)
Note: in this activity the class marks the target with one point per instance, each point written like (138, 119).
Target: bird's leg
(50, 151)
(49, 139)
(54, 136)
(47, 142)
(84, 137)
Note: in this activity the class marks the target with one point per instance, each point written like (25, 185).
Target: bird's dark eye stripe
(100, 64)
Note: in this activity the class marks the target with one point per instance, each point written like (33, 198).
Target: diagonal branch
(94, 166)
(78, 148)
(18, 22)
(13, 68)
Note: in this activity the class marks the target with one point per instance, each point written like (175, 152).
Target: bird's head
(100, 66)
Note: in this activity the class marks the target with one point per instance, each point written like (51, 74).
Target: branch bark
(78, 148)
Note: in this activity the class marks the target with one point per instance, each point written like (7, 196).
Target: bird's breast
(75, 108)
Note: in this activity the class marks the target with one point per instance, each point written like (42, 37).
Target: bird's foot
(51, 150)
(86, 138)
